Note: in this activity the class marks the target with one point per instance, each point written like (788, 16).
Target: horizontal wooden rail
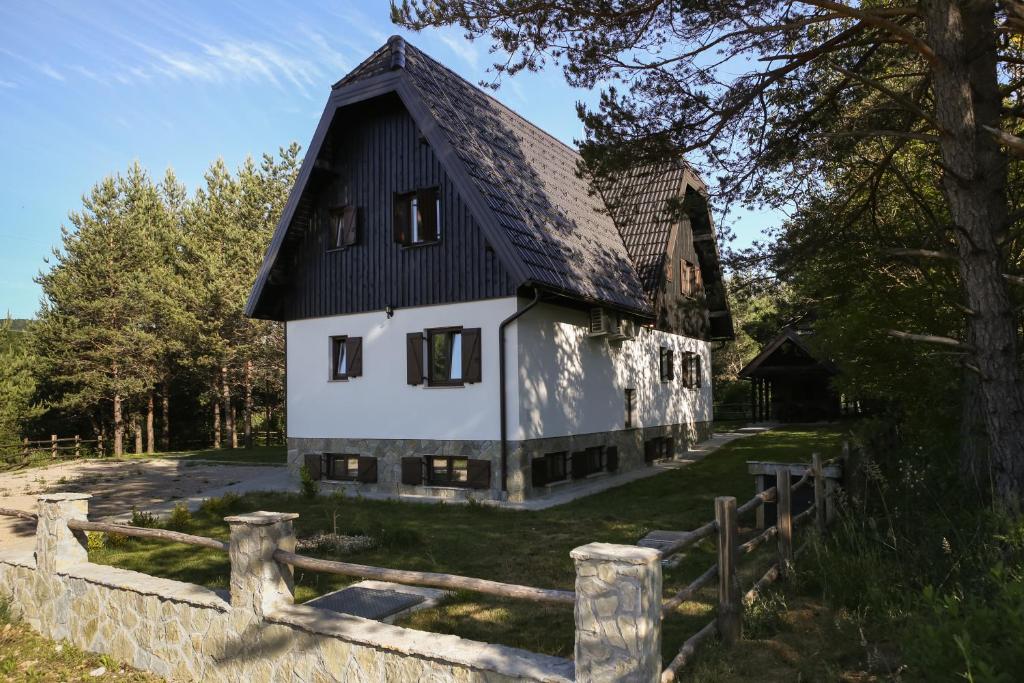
(687, 593)
(143, 532)
(769, 577)
(805, 515)
(689, 539)
(752, 545)
(9, 512)
(687, 650)
(766, 496)
(450, 581)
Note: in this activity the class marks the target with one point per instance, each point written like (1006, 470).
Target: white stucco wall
(572, 384)
(380, 404)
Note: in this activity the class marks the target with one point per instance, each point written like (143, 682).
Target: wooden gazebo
(788, 383)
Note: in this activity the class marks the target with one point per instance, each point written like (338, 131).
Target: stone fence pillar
(618, 613)
(259, 583)
(57, 546)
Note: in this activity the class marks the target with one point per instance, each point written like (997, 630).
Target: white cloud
(48, 70)
(7, 84)
(461, 47)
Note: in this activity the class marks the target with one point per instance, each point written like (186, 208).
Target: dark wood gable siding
(374, 150)
(678, 313)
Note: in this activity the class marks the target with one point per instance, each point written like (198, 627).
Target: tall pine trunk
(165, 420)
(137, 432)
(229, 413)
(216, 417)
(974, 183)
(247, 406)
(150, 436)
(118, 427)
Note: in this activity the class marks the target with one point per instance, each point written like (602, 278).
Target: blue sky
(86, 88)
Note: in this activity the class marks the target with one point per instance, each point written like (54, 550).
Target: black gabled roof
(789, 335)
(544, 221)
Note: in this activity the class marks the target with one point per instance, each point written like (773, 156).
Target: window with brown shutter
(417, 217)
(666, 364)
(479, 474)
(550, 468)
(414, 357)
(340, 467)
(445, 357)
(343, 226)
(472, 361)
(698, 374)
(339, 358)
(354, 351)
(412, 470)
(367, 473)
(313, 462)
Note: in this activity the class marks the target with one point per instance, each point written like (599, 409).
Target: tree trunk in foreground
(150, 435)
(137, 432)
(974, 183)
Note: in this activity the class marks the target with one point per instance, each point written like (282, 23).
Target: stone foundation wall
(255, 632)
(389, 454)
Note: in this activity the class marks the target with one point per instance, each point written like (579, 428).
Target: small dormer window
(417, 217)
(690, 280)
(343, 227)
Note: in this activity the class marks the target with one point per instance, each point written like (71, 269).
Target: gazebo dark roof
(774, 359)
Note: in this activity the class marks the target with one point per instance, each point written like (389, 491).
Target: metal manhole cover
(368, 603)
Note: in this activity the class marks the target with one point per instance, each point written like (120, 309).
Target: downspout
(503, 421)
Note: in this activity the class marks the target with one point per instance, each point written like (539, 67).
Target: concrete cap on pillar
(61, 497)
(262, 518)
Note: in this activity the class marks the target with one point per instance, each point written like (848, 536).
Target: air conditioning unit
(628, 328)
(599, 322)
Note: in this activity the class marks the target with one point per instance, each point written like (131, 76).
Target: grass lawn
(530, 548)
(257, 455)
(27, 656)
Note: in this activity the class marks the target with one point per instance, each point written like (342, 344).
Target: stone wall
(257, 633)
(389, 454)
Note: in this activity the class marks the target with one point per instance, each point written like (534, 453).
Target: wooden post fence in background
(25, 453)
(819, 492)
(784, 519)
(729, 607)
(78, 446)
(53, 445)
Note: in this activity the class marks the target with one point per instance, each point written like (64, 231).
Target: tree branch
(922, 253)
(930, 339)
(1008, 140)
(877, 20)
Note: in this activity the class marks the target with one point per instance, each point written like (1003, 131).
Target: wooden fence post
(760, 484)
(819, 492)
(729, 625)
(26, 447)
(99, 445)
(78, 446)
(784, 520)
(53, 445)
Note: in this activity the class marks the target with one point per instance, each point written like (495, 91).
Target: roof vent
(397, 46)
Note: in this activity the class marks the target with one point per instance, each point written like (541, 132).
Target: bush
(143, 519)
(223, 506)
(310, 486)
(180, 518)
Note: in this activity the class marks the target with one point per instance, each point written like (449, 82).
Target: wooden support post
(729, 606)
(819, 492)
(78, 446)
(784, 519)
(26, 451)
(99, 445)
(53, 445)
(760, 484)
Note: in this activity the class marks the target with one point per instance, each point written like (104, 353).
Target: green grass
(530, 548)
(27, 656)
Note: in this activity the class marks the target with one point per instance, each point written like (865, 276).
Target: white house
(466, 315)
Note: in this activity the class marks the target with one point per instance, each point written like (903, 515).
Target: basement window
(550, 468)
(446, 471)
(340, 467)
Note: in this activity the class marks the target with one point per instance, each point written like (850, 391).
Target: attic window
(417, 217)
(690, 280)
(343, 227)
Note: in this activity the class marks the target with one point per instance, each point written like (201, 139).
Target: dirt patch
(116, 487)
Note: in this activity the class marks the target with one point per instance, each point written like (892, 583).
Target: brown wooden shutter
(670, 447)
(539, 472)
(312, 461)
(414, 357)
(426, 202)
(367, 469)
(471, 355)
(671, 360)
(478, 474)
(400, 218)
(579, 464)
(354, 355)
(350, 226)
(697, 371)
(412, 470)
(611, 458)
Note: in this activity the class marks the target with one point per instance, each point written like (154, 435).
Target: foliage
(310, 486)
(180, 518)
(17, 382)
(141, 518)
(142, 317)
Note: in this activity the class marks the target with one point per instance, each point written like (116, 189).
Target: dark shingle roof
(558, 228)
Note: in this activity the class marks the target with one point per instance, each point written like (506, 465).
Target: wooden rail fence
(728, 620)
(56, 446)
